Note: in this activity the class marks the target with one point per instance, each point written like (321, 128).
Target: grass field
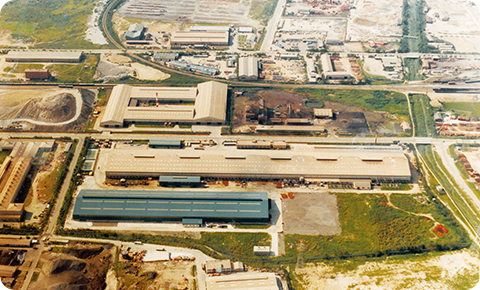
(262, 10)
(82, 72)
(235, 244)
(386, 101)
(371, 226)
(4, 154)
(422, 116)
(21, 67)
(49, 23)
(471, 109)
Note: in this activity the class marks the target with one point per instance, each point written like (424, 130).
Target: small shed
(192, 222)
(261, 250)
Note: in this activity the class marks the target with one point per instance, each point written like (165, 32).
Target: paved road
(272, 26)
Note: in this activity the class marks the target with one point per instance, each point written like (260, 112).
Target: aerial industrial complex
(205, 104)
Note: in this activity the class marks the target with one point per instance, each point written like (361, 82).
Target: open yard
(311, 214)
(374, 224)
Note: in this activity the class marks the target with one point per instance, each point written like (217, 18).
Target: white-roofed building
(204, 104)
(248, 68)
(326, 163)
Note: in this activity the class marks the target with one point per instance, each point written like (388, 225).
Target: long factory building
(44, 56)
(157, 206)
(204, 104)
(321, 163)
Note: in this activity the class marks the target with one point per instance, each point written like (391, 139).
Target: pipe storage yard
(149, 205)
(318, 162)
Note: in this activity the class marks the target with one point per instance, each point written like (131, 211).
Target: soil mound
(68, 287)
(57, 108)
(63, 265)
(84, 253)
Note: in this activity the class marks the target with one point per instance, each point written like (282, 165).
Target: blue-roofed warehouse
(157, 206)
(165, 143)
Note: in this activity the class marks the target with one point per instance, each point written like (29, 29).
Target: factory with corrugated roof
(185, 206)
(318, 163)
(44, 56)
(248, 68)
(200, 37)
(204, 104)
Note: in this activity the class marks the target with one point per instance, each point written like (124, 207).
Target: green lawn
(369, 225)
(262, 10)
(371, 100)
(470, 109)
(82, 72)
(49, 23)
(422, 115)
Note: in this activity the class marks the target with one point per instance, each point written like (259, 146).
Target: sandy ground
(7, 40)
(144, 72)
(463, 26)
(435, 271)
(454, 98)
(117, 58)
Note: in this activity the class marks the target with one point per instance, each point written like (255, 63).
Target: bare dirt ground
(7, 40)
(114, 66)
(311, 214)
(451, 270)
(374, 20)
(166, 275)
(144, 72)
(74, 267)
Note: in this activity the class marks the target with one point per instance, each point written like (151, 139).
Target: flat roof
(243, 281)
(327, 162)
(164, 142)
(48, 55)
(161, 205)
(204, 37)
